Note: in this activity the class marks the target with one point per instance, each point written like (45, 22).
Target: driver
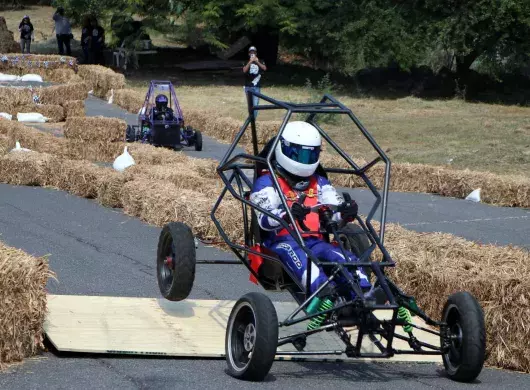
(161, 111)
(297, 158)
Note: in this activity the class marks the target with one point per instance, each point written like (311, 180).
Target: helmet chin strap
(295, 182)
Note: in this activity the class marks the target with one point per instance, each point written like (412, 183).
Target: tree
(475, 28)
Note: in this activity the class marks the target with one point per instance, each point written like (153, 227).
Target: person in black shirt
(86, 39)
(98, 42)
(253, 71)
(26, 34)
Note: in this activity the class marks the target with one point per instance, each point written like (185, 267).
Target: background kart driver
(296, 160)
(161, 111)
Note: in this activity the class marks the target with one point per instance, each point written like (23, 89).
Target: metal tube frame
(236, 163)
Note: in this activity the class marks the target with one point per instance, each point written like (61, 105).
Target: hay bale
(7, 40)
(129, 99)
(61, 75)
(183, 176)
(95, 129)
(11, 97)
(159, 203)
(101, 79)
(54, 112)
(27, 168)
(37, 63)
(497, 276)
(78, 177)
(100, 151)
(59, 94)
(23, 281)
(4, 144)
(74, 108)
(505, 190)
(34, 139)
(225, 129)
(151, 155)
(110, 191)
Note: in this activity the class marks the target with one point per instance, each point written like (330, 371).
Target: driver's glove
(348, 210)
(299, 212)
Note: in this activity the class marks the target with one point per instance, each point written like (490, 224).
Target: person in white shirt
(63, 31)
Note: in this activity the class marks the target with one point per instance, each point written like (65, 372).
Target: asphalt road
(101, 251)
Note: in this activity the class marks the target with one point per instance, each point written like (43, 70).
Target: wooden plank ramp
(190, 328)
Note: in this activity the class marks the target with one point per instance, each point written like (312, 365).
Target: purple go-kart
(161, 122)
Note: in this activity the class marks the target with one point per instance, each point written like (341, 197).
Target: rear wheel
(176, 261)
(251, 337)
(198, 140)
(465, 339)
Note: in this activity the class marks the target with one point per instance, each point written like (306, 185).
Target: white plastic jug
(32, 77)
(123, 161)
(8, 77)
(31, 117)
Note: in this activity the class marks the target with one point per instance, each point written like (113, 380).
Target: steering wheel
(317, 207)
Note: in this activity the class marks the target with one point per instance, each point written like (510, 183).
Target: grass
(41, 18)
(482, 137)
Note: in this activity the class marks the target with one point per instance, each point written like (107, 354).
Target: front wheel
(465, 339)
(198, 140)
(176, 261)
(251, 337)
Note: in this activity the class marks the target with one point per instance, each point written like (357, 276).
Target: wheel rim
(241, 336)
(453, 357)
(166, 263)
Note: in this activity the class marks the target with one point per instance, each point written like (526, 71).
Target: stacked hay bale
(23, 281)
(7, 41)
(74, 108)
(54, 102)
(129, 99)
(34, 139)
(100, 79)
(499, 277)
(95, 138)
(511, 191)
(46, 66)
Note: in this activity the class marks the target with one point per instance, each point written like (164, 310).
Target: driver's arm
(265, 196)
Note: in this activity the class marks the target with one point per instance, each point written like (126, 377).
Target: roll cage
(234, 170)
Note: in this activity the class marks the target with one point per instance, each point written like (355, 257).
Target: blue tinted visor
(300, 153)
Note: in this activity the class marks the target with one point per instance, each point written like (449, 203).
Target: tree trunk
(463, 64)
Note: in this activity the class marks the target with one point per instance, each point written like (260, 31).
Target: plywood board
(191, 328)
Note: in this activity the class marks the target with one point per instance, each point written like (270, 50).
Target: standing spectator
(98, 42)
(63, 31)
(253, 71)
(86, 40)
(26, 34)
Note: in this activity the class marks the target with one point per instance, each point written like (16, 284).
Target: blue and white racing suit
(293, 257)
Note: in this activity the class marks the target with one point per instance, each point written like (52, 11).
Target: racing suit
(277, 239)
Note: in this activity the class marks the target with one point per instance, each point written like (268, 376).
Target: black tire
(358, 242)
(198, 140)
(130, 134)
(251, 337)
(175, 268)
(467, 347)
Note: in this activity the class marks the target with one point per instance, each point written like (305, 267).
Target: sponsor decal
(291, 253)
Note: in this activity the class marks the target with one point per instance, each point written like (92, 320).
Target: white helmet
(298, 149)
